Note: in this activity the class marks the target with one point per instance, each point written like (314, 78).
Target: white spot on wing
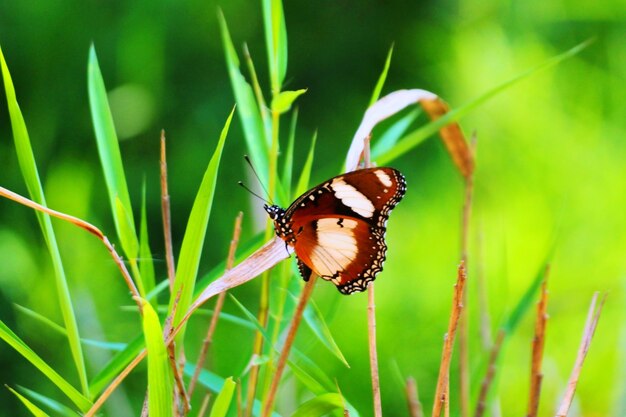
(352, 198)
(336, 246)
(383, 178)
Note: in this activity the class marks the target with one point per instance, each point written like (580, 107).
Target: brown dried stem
(230, 260)
(537, 354)
(590, 327)
(415, 406)
(441, 397)
(284, 354)
(464, 379)
(165, 211)
(83, 225)
(171, 352)
(205, 405)
(491, 371)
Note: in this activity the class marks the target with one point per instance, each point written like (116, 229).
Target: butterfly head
(274, 211)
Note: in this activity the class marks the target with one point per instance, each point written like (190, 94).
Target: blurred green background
(551, 171)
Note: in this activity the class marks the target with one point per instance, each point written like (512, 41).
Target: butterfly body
(337, 229)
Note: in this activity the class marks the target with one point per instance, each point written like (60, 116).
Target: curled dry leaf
(396, 101)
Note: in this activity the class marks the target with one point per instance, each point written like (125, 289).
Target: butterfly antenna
(247, 158)
(253, 193)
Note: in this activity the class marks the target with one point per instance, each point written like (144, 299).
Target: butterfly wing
(340, 225)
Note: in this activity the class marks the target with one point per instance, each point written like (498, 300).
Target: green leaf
(28, 167)
(160, 379)
(36, 411)
(146, 266)
(222, 402)
(22, 348)
(193, 241)
(315, 320)
(48, 402)
(282, 102)
(305, 175)
(247, 109)
(418, 136)
(110, 157)
(320, 405)
(382, 78)
(525, 303)
(276, 41)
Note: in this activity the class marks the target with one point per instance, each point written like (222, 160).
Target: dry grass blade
(284, 354)
(451, 135)
(230, 260)
(171, 351)
(590, 327)
(205, 405)
(415, 406)
(537, 355)
(165, 211)
(83, 225)
(441, 397)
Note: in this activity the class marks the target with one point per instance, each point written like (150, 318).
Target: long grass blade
(48, 402)
(276, 41)
(30, 173)
(160, 380)
(22, 348)
(382, 78)
(146, 266)
(315, 320)
(111, 158)
(416, 137)
(247, 108)
(193, 241)
(36, 411)
(305, 174)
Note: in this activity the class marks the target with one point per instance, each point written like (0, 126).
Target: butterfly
(337, 228)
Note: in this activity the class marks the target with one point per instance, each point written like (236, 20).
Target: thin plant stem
(464, 379)
(166, 214)
(83, 225)
(205, 405)
(415, 406)
(171, 352)
(230, 260)
(590, 327)
(284, 354)
(537, 352)
(481, 404)
(441, 397)
(371, 326)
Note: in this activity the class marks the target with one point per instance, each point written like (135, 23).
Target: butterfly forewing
(337, 229)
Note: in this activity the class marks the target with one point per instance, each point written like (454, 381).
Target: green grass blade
(28, 167)
(146, 266)
(48, 402)
(391, 136)
(288, 162)
(525, 303)
(383, 77)
(224, 398)
(36, 411)
(193, 241)
(103, 378)
(247, 108)
(110, 157)
(320, 405)
(315, 320)
(416, 137)
(160, 379)
(305, 176)
(16, 343)
(276, 41)
(61, 330)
